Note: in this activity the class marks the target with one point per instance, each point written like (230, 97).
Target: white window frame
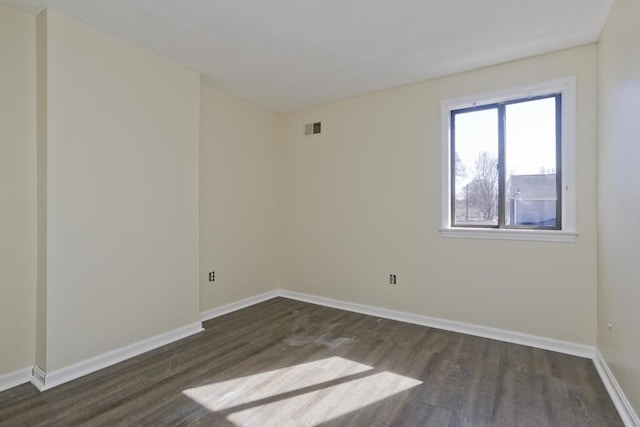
(565, 86)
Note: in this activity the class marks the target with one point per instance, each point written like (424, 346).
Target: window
(508, 171)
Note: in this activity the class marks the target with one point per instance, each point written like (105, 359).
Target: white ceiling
(288, 54)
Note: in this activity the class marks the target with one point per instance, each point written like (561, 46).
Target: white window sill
(510, 234)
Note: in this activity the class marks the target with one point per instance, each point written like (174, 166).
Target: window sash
(501, 123)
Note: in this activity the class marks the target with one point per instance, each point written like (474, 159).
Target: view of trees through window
(504, 164)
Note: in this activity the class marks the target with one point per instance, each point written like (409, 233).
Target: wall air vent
(312, 128)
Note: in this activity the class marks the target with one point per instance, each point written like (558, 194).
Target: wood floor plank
(289, 363)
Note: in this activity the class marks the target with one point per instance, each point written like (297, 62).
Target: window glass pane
(476, 168)
(530, 157)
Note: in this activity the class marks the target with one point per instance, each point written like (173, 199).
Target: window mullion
(501, 166)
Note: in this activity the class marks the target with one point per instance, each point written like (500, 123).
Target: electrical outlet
(392, 279)
(212, 276)
(610, 324)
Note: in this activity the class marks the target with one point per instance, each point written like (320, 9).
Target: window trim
(567, 88)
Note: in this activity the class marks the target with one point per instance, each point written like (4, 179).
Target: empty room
(320, 213)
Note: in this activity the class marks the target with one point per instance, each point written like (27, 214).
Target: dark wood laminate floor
(289, 363)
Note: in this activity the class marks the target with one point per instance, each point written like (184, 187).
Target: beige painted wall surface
(619, 196)
(122, 193)
(239, 198)
(362, 201)
(17, 190)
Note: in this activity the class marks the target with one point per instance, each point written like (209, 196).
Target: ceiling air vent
(312, 128)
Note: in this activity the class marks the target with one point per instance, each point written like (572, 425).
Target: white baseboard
(37, 377)
(15, 378)
(565, 347)
(234, 306)
(46, 380)
(623, 405)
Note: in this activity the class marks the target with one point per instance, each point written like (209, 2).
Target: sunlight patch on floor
(242, 390)
(306, 394)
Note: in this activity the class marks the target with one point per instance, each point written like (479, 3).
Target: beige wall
(17, 190)
(362, 201)
(619, 197)
(122, 193)
(239, 198)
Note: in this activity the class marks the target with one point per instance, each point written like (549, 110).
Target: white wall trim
(15, 378)
(565, 347)
(46, 380)
(623, 405)
(37, 377)
(510, 234)
(229, 308)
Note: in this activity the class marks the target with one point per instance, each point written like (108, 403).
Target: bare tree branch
(483, 188)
